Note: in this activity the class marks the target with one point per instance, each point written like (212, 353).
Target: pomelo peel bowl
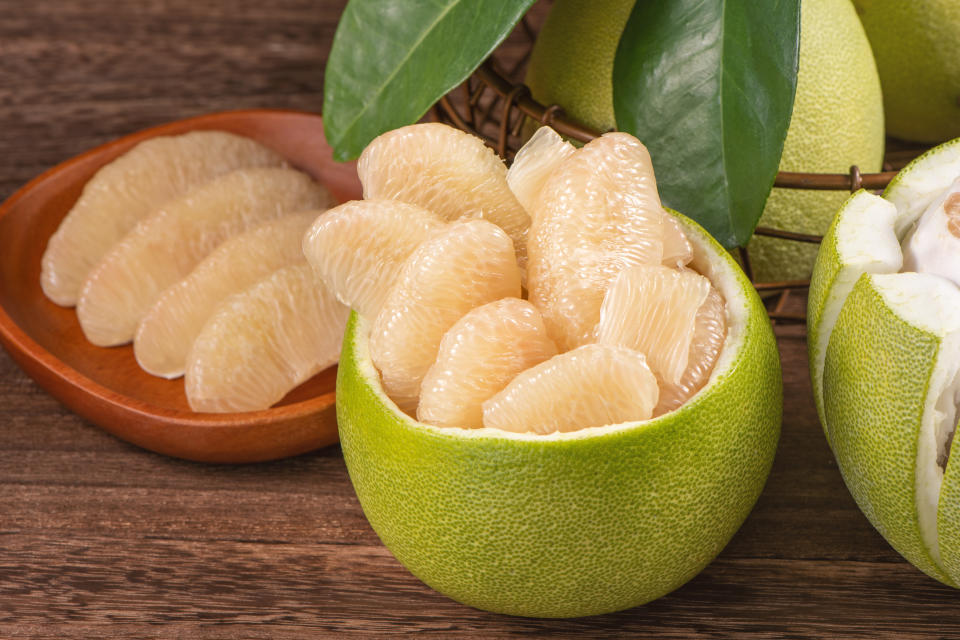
(884, 335)
(570, 523)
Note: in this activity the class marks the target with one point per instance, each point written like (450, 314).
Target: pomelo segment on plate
(261, 343)
(131, 187)
(166, 333)
(166, 245)
(884, 336)
(577, 523)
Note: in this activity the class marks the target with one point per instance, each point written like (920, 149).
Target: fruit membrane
(884, 333)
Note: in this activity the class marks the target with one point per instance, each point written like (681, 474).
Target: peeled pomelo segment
(590, 386)
(710, 331)
(653, 309)
(261, 343)
(534, 163)
(891, 378)
(166, 333)
(933, 244)
(165, 246)
(463, 266)
(446, 171)
(131, 187)
(597, 214)
(357, 248)
(861, 239)
(677, 251)
(922, 182)
(486, 349)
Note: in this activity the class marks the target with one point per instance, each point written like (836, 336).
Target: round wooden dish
(105, 385)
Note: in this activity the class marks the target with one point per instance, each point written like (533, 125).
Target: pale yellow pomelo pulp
(479, 355)
(358, 248)
(131, 187)
(166, 245)
(885, 359)
(917, 48)
(262, 342)
(464, 265)
(570, 523)
(166, 333)
(446, 171)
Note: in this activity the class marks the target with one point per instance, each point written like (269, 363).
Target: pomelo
(837, 117)
(885, 365)
(917, 47)
(577, 523)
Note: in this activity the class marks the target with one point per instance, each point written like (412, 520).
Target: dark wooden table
(100, 539)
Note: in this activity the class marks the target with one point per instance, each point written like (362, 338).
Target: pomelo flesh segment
(480, 354)
(166, 333)
(465, 265)
(933, 245)
(652, 309)
(590, 386)
(597, 214)
(677, 251)
(534, 163)
(357, 248)
(261, 343)
(131, 187)
(446, 171)
(166, 245)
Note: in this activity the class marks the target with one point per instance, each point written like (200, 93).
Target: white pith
(931, 304)
(930, 247)
(871, 240)
(719, 270)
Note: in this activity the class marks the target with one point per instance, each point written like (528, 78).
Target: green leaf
(392, 59)
(708, 86)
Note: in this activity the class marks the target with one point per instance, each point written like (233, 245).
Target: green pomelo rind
(948, 519)
(570, 524)
(841, 261)
(876, 379)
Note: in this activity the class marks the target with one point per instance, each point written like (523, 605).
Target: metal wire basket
(494, 105)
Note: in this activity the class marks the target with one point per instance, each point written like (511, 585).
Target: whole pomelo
(885, 366)
(579, 523)
(837, 117)
(917, 47)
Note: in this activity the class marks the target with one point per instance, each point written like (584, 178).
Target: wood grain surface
(100, 539)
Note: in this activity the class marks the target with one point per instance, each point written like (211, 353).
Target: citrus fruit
(465, 265)
(884, 347)
(131, 187)
(166, 333)
(837, 116)
(597, 213)
(918, 57)
(591, 386)
(261, 343)
(570, 523)
(482, 352)
(166, 245)
(357, 249)
(534, 163)
(933, 246)
(837, 121)
(674, 317)
(446, 171)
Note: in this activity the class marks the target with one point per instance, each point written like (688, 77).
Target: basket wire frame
(494, 105)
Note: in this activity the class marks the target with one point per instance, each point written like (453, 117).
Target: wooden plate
(105, 385)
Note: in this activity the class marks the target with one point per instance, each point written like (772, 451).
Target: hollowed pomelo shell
(571, 524)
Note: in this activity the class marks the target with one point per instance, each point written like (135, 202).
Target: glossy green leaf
(708, 86)
(392, 59)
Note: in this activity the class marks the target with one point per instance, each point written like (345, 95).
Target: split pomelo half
(885, 360)
(578, 523)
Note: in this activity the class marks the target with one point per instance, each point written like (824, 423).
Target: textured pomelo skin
(571, 524)
(917, 47)
(837, 121)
